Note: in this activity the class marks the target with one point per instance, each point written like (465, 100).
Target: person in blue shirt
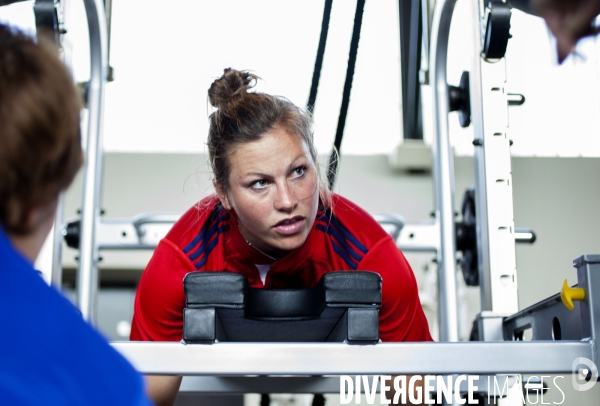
(48, 354)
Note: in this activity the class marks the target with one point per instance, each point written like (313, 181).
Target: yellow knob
(569, 294)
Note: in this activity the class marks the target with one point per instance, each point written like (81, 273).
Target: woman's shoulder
(353, 220)
(346, 210)
(195, 219)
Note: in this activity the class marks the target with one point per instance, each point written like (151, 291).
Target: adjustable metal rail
(237, 359)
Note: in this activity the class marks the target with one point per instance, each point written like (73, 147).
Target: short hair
(40, 140)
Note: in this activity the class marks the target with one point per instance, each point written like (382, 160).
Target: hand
(163, 389)
(569, 21)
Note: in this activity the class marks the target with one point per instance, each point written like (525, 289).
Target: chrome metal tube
(57, 243)
(479, 358)
(87, 275)
(443, 173)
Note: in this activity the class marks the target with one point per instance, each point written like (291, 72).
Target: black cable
(411, 34)
(312, 97)
(339, 134)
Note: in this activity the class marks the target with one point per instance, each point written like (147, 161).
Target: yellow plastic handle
(569, 294)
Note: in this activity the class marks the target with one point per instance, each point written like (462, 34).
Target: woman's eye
(259, 184)
(300, 171)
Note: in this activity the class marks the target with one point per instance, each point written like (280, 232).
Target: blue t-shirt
(48, 354)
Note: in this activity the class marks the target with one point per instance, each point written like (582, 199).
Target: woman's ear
(222, 193)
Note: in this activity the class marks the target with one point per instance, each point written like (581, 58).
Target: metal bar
(426, 28)
(524, 236)
(259, 384)
(588, 278)
(108, 15)
(548, 320)
(57, 243)
(493, 179)
(144, 232)
(301, 384)
(392, 223)
(87, 274)
(231, 359)
(443, 173)
(423, 237)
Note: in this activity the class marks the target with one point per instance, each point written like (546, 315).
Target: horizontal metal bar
(144, 232)
(525, 236)
(302, 384)
(392, 223)
(515, 99)
(259, 384)
(420, 237)
(231, 359)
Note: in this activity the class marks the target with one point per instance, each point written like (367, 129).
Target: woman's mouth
(290, 226)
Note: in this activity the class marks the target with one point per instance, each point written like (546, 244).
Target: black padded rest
(214, 288)
(285, 304)
(236, 327)
(343, 306)
(228, 289)
(357, 287)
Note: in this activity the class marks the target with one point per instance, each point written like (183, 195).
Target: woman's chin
(290, 243)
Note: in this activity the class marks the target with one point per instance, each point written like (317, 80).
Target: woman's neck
(272, 253)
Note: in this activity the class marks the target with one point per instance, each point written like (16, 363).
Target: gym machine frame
(222, 367)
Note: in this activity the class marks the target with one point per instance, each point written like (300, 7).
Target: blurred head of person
(569, 21)
(40, 142)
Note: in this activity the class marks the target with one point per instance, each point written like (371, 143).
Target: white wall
(561, 115)
(165, 58)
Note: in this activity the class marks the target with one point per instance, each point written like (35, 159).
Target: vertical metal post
(443, 173)
(588, 278)
(426, 29)
(493, 190)
(57, 243)
(87, 275)
(493, 178)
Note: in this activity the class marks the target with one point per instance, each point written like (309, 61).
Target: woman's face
(273, 188)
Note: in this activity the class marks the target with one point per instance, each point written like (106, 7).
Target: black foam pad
(343, 306)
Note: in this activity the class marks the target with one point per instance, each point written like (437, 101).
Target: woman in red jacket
(270, 220)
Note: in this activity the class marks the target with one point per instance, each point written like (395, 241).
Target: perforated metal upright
(493, 183)
(493, 176)
(494, 205)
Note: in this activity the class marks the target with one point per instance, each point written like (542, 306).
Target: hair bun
(231, 85)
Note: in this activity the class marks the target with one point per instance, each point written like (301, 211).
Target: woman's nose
(285, 199)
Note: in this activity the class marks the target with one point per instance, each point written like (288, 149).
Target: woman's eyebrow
(291, 166)
(294, 163)
(256, 174)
